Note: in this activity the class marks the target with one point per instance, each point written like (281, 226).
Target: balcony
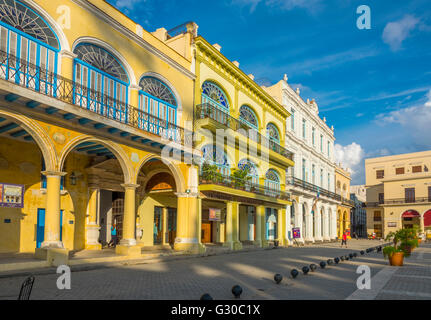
(209, 111)
(313, 188)
(234, 183)
(42, 81)
(407, 200)
(347, 202)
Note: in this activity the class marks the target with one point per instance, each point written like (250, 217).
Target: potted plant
(240, 177)
(404, 241)
(210, 173)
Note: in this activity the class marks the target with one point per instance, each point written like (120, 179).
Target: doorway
(40, 228)
(172, 225)
(158, 226)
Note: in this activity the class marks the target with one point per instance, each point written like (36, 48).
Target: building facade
(342, 179)
(90, 101)
(239, 128)
(96, 129)
(312, 177)
(358, 214)
(398, 192)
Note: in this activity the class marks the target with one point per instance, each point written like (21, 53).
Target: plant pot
(397, 259)
(419, 241)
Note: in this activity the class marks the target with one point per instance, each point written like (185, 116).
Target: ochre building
(96, 123)
(342, 188)
(398, 193)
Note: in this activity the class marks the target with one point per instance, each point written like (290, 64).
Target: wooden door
(206, 232)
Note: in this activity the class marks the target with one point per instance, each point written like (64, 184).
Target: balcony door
(409, 195)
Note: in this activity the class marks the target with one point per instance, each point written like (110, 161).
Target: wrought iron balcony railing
(235, 183)
(207, 110)
(35, 78)
(347, 202)
(311, 187)
(407, 200)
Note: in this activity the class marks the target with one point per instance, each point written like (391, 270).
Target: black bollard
(278, 278)
(236, 291)
(355, 254)
(342, 258)
(305, 269)
(351, 255)
(337, 260)
(294, 273)
(322, 264)
(206, 296)
(330, 262)
(346, 258)
(362, 252)
(313, 267)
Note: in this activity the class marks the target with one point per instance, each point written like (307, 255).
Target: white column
(298, 222)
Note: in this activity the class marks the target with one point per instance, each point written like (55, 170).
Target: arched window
(247, 115)
(102, 82)
(272, 133)
(25, 37)
(157, 99)
(215, 96)
(272, 183)
(215, 156)
(252, 169)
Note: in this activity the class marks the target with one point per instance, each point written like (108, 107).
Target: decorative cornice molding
(131, 35)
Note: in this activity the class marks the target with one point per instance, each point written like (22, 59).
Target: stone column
(188, 224)
(164, 226)
(281, 227)
(128, 242)
(52, 249)
(92, 227)
(232, 226)
(260, 213)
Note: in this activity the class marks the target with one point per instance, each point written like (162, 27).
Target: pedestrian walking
(344, 239)
(113, 241)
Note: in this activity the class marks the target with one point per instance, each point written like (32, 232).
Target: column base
(193, 248)
(95, 247)
(123, 250)
(55, 256)
(258, 243)
(233, 245)
(283, 242)
(265, 243)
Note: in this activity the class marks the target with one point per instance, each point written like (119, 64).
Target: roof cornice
(131, 35)
(213, 53)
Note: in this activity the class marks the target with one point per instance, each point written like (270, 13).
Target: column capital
(68, 54)
(53, 173)
(135, 87)
(187, 195)
(130, 186)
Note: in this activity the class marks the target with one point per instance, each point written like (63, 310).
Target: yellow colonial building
(239, 128)
(96, 123)
(91, 108)
(398, 192)
(342, 188)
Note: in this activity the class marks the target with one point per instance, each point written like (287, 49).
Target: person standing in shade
(344, 239)
(113, 241)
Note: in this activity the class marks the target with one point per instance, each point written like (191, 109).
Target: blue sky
(374, 85)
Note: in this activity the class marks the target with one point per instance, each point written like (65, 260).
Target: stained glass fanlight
(158, 89)
(214, 155)
(252, 169)
(247, 115)
(272, 132)
(271, 175)
(24, 19)
(102, 60)
(216, 94)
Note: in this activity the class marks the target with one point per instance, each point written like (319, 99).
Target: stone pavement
(189, 278)
(410, 282)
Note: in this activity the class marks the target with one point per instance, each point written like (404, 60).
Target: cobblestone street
(189, 278)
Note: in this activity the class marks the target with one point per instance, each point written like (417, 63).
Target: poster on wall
(214, 214)
(296, 233)
(11, 195)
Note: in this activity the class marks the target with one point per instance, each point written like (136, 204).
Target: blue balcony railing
(35, 78)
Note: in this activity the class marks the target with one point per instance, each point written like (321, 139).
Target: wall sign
(392, 224)
(214, 214)
(11, 195)
(296, 233)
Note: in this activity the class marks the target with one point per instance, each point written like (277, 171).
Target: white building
(312, 142)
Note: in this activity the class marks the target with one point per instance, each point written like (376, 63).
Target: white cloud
(396, 32)
(126, 4)
(414, 121)
(350, 157)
